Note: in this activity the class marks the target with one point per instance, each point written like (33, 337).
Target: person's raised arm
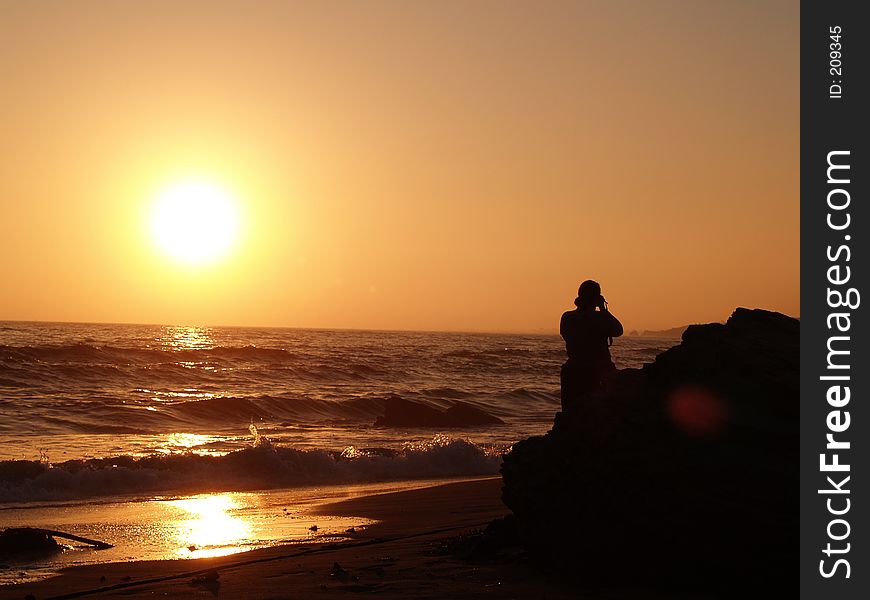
(612, 324)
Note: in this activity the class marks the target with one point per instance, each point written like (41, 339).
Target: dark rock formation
(26, 542)
(399, 412)
(682, 472)
(34, 542)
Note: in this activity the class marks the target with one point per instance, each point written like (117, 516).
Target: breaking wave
(263, 466)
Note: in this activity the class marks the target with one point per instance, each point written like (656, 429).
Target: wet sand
(396, 558)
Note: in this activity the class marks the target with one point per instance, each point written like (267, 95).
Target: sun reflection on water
(211, 526)
(190, 443)
(186, 338)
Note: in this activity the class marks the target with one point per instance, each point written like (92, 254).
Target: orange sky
(402, 165)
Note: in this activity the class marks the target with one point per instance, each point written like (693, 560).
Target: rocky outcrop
(26, 542)
(399, 412)
(680, 472)
(34, 542)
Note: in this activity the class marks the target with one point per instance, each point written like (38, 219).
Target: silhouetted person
(588, 332)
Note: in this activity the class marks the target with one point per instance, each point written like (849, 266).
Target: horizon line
(638, 332)
(315, 328)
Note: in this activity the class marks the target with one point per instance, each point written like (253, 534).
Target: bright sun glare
(195, 222)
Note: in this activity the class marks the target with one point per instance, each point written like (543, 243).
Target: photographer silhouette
(588, 332)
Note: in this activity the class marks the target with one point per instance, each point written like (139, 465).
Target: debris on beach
(30, 541)
(27, 541)
(210, 580)
(499, 542)
(339, 573)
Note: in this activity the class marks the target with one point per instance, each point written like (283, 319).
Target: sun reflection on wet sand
(199, 526)
(212, 526)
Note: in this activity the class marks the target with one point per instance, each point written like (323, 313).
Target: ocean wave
(124, 355)
(230, 409)
(264, 466)
(219, 411)
(488, 352)
(144, 411)
(84, 363)
(526, 394)
(446, 392)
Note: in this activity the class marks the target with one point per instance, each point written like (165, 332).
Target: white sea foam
(263, 466)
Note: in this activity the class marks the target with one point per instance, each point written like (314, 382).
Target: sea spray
(261, 466)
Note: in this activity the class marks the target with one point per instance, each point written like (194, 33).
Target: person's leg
(568, 385)
(606, 371)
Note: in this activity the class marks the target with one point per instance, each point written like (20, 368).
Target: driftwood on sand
(33, 540)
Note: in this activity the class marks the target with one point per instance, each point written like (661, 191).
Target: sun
(194, 222)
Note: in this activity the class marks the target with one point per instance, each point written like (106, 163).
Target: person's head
(588, 295)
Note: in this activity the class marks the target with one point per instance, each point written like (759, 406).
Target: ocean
(185, 442)
(96, 410)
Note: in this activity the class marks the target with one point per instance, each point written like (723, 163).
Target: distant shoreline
(668, 334)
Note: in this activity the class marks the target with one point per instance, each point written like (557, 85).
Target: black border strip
(835, 108)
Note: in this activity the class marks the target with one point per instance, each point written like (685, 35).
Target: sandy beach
(398, 557)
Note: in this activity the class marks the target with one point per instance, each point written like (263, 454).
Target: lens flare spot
(697, 411)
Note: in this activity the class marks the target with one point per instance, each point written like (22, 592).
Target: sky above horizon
(400, 165)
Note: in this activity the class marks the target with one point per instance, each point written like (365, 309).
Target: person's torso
(585, 335)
